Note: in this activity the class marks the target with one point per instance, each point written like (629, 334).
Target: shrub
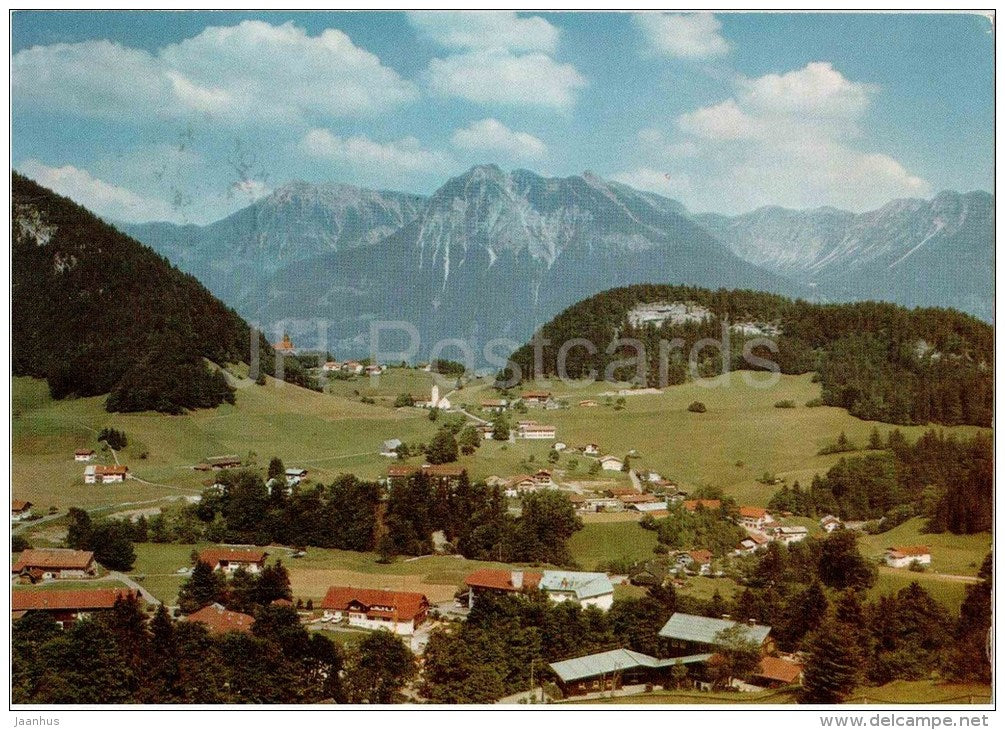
(814, 403)
(785, 404)
(697, 407)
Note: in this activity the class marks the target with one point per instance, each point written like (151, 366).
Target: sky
(189, 116)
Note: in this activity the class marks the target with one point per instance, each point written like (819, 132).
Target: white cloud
(485, 29)
(107, 200)
(501, 77)
(397, 158)
(693, 37)
(791, 139)
(491, 136)
(252, 72)
(498, 58)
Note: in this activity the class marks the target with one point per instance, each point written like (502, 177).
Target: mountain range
(495, 254)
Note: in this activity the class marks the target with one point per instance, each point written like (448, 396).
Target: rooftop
(584, 585)
(212, 556)
(405, 605)
(219, 620)
(501, 580)
(616, 660)
(59, 558)
(60, 600)
(704, 630)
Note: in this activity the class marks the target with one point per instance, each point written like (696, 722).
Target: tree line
(878, 360)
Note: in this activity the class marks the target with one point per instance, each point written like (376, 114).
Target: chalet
(83, 454)
(559, 446)
(638, 498)
(775, 672)
(829, 523)
(19, 510)
(543, 478)
(218, 620)
(536, 397)
(611, 463)
(699, 561)
(396, 611)
(535, 431)
(905, 555)
(588, 404)
(38, 564)
(754, 518)
(500, 582)
(485, 429)
(586, 589)
(591, 450)
(390, 448)
(332, 366)
(66, 607)
(790, 535)
(521, 484)
(229, 560)
(100, 474)
(494, 406)
(285, 346)
(610, 670)
(230, 461)
(444, 475)
(751, 543)
(688, 634)
(295, 475)
(692, 505)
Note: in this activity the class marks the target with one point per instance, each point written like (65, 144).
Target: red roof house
(229, 560)
(400, 612)
(219, 620)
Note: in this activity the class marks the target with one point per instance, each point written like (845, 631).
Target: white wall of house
(905, 562)
(603, 602)
(233, 567)
(83, 457)
(361, 621)
(538, 434)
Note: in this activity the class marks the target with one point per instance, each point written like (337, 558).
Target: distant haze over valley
(495, 254)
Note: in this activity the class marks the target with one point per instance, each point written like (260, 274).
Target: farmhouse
(54, 563)
(829, 523)
(500, 582)
(66, 607)
(285, 346)
(654, 509)
(520, 484)
(690, 634)
(791, 534)
(353, 367)
(559, 446)
(587, 589)
(494, 405)
(692, 505)
(611, 463)
(373, 369)
(754, 518)
(905, 555)
(635, 498)
(536, 397)
(591, 450)
(19, 510)
(295, 475)
(100, 474)
(396, 611)
(332, 366)
(535, 431)
(390, 448)
(218, 620)
(752, 543)
(611, 670)
(229, 560)
(83, 454)
(699, 561)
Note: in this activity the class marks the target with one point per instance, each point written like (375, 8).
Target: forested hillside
(96, 312)
(878, 360)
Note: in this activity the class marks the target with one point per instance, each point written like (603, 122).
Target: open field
(951, 554)
(326, 435)
(602, 542)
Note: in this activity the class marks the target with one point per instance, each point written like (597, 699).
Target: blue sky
(188, 116)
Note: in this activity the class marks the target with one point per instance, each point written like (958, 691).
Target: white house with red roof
(903, 556)
(399, 612)
(83, 454)
(754, 518)
(229, 560)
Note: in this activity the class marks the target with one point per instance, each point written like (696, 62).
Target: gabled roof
(755, 513)
(700, 556)
(219, 620)
(60, 600)
(112, 470)
(405, 605)
(703, 630)
(19, 505)
(501, 580)
(905, 551)
(616, 660)
(213, 556)
(54, 558)
(583, 585)
(779, 670)
(83, 452)
(536, 394)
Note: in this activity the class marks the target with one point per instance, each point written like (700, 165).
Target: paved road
(147, 595)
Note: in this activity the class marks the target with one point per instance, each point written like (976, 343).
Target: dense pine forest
(96, 312)
(880, 361)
